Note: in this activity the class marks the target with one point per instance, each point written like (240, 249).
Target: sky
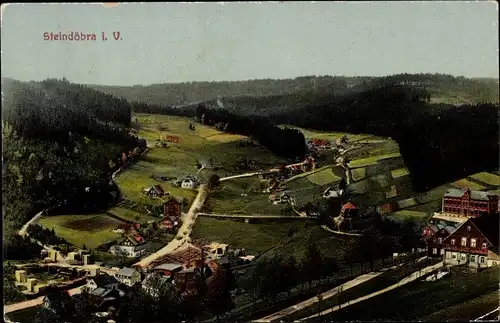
(184, 42)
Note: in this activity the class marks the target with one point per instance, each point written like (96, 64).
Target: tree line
(58, 141)
(476, 90)
(285, 142)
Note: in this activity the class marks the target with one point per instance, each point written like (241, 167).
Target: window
(484, 245)
(481, 260)
(441, 252)
(440, 240)
(434, 251)
(473, 243)
(452, 241)
(494, 263)
(464, 242)
(468, 228)
(472, 258)
(463, 256)
(453, 255)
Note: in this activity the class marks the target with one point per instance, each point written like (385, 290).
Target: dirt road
(34, 302)
(406, 280)
(184, 231)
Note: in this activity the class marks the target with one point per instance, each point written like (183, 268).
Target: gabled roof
(168, 266)
(128, 272)
(100, 292)
(104, 280)
(475, 195)
(349, 206)
(159, 189)
(489, 227)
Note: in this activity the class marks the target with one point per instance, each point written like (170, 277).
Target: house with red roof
(155, 191)
(349, 210)
(172, 208)
(475, 243)
(134, 245)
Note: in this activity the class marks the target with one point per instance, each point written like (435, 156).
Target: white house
(102, 281)
(128, 276)
(189, 183)
(131, 247)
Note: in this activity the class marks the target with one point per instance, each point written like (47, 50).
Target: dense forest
(443, 88)
(285, 142)
(439, 142)
(58, 139)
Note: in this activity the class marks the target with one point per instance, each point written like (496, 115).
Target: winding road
(182, 236)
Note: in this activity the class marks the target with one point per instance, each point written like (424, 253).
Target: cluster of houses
(189, 182)
(134, 245)
(466, 231)
(187, 271)
(340, 144)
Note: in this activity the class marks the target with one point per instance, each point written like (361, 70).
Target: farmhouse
(172, 208)
(474, 243)
(458, 203)
(189, 183)
(102, 281)
(104, 298)
(128, 276)
(155, 191)
(331, 192)
(154, 282)
(132, 246)
(434, 235)
(282, 198)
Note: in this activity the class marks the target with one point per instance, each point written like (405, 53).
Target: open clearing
(408, 214)
(254, 238)
(488, 178)
(92, 230)
(323, 177)
(180, 159)
(465, 183)
(399, 172)
(129, 215)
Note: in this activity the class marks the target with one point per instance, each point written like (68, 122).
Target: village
(465, 231)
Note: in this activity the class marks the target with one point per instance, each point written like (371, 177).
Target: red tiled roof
(349, 206)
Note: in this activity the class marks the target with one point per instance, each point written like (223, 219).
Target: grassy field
(465, 183)
(399, 172)
(488, 178)
(358, 174)
(180, 159)
(92, 230)
(418, 300)
(323, 177)
(410, 215)
(255, 238)
(130, 215)
(309, 134)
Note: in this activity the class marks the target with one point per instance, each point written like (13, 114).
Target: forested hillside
(58, 138)
(443, 88)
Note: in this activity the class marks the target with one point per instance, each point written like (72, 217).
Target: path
(334, 291)
(34, 302)
(23, 230)
(489, 316)
(324, 227)
(414, 276)
(239, 176)
(254, 216)
(187, 226)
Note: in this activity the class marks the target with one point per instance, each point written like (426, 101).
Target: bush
(178, 238)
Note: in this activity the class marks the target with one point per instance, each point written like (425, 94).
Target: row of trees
(45, 236)
(58, 139)
(285, 142)
(186, 93)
